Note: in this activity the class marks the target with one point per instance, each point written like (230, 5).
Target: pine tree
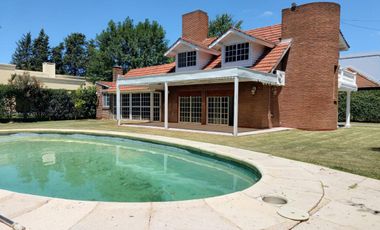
(75, 54)
(57, 58)
(40, 51)
(22, 56)
(221, 24)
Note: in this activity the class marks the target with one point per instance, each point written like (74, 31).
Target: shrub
(365, 106)
(36, 103)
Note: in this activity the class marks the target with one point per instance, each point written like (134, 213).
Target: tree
(127, 45)
(221, 24)
(75, 54)
(57, 58)
(27, 88)
(40, 51)
(22, 56)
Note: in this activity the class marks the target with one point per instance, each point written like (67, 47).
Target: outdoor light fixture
(253, 90)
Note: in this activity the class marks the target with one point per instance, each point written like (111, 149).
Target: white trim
(118, 104)
(236, 107)
(171, 52)
(243, 35)
(205, 76)
(166, 105)
(348, 109)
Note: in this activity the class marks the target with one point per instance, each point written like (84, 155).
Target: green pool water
(100, 168)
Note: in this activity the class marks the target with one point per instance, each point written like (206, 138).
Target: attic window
(186, 59)
(237, 52)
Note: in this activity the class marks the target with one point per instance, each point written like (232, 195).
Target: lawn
(355, 150)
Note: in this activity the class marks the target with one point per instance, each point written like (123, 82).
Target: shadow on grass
(377, 149)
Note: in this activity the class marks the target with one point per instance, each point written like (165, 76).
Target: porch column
(151, 106)
(236, 105)
(118, 104)
(166, 106)
(348, 109)
(130, 106)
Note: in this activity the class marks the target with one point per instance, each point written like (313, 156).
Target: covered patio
(226, 75)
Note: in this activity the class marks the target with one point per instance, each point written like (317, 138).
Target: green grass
(355, 150)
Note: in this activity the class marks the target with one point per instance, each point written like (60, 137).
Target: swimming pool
(101, 168)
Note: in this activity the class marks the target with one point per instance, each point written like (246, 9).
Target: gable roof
(191, 43)
(266, 63)
(244, 35)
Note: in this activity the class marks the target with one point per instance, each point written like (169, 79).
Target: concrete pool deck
(333, 199)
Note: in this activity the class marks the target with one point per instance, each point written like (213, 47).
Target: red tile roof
(270, 60)
(268, 33)
(151, 70)
(264, 64)
(111, 87)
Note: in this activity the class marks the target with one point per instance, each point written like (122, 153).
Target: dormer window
(187, 59)
(237, 52)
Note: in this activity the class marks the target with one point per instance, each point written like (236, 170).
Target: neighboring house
(281, 75)
(47, 77)
(367, 67)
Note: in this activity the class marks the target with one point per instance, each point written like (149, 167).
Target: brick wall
(195, 25)
(254, 110)
(309, 99)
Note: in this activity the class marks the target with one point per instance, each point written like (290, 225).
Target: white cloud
(266, 14)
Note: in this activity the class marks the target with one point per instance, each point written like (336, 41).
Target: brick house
(284, 75)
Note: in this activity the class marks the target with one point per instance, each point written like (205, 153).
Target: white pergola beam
(118, 118)
(236, 106)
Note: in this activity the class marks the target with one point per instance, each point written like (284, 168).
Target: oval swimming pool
(99, 168)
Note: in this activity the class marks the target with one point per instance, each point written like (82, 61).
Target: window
(218, 110)
(187, 59)
(237, 52)
(190, 109)
(106, 100)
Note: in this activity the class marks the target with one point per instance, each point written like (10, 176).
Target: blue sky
(60, 18)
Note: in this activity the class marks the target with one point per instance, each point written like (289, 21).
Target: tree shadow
(377, 149)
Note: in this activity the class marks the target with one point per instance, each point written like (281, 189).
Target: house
(284, 75)
(367, 67)
(47, 77)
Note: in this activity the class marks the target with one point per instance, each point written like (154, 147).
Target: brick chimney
(311, 76)
(195, 25)
(116, 70)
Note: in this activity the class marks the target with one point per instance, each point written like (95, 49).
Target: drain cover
(274, 200)
(293, 213)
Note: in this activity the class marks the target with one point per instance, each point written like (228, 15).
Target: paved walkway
(333, 199)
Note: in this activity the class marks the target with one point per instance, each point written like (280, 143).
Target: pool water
(85, 167)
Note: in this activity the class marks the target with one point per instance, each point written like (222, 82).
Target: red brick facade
(195, 25)
(309, 98)
(254, 110)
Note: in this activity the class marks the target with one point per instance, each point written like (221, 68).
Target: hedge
(46, 104)
(365, 106)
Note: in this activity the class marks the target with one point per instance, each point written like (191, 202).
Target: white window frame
(220, 119)
(128, 106)
(187, 59)
(236, 52)
(190, 110)
(106, 100)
